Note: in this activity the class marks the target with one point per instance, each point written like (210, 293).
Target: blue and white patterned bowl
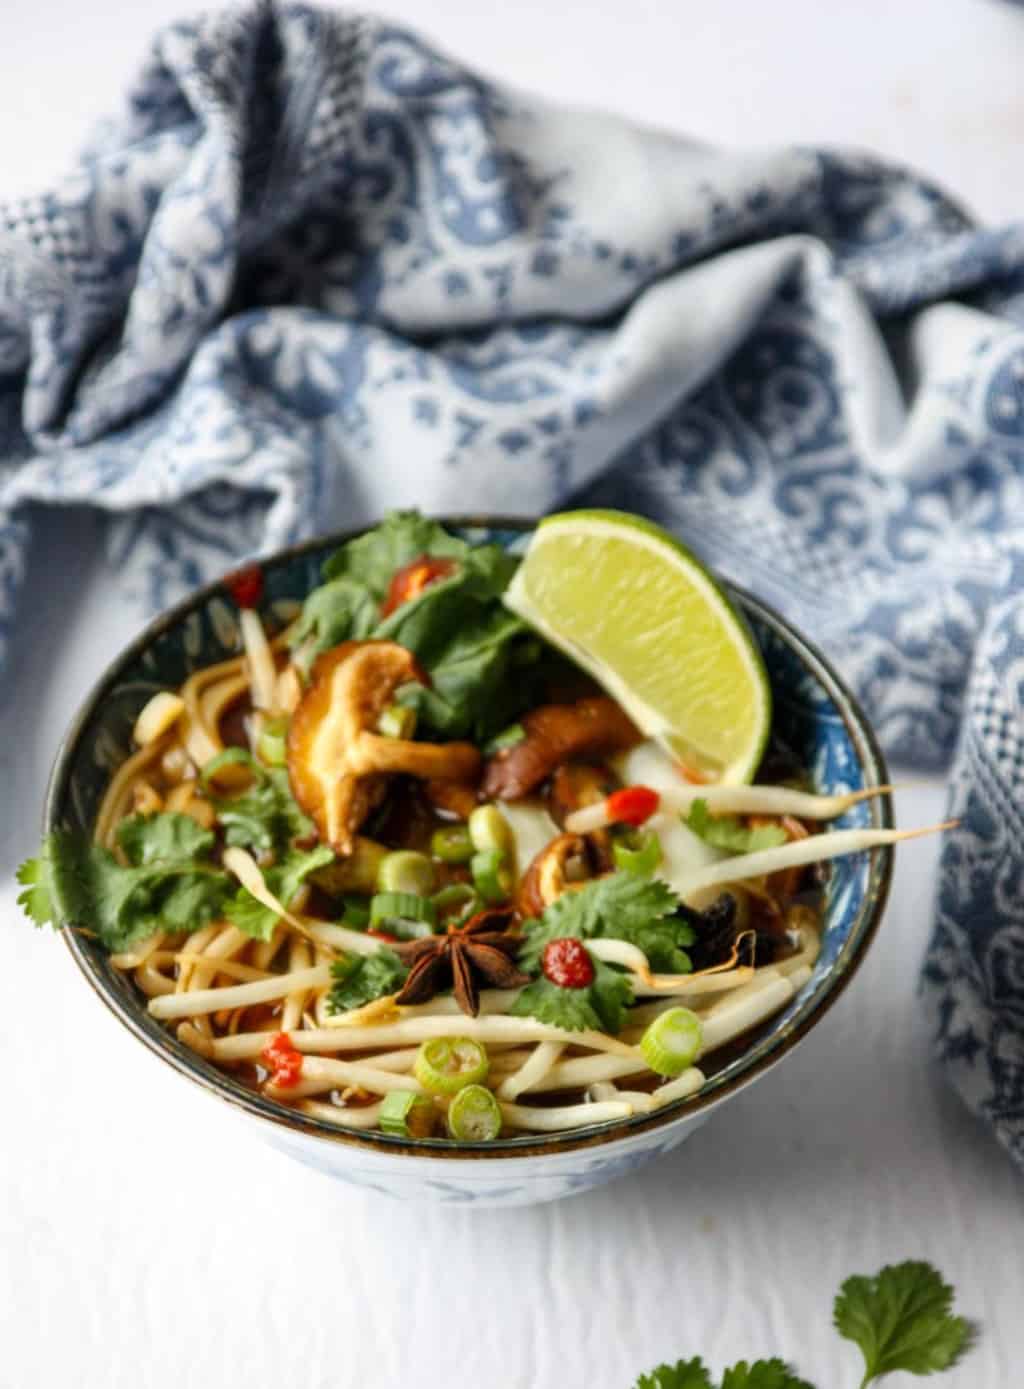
(814, 713)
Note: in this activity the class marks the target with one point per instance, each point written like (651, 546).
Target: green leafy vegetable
(472, 692)
(36, 876)
(763, 1374)
(399, 539)
(623, 906)
(265, 816)
(600, 1006)
(901, 1320)
(342, 610)
(284, 880)
(457, 627)
(729, 833)
(164, 838)
(168, 888)
(684, 1374)
(359, 979)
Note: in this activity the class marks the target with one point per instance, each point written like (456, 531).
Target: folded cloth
(317, 269)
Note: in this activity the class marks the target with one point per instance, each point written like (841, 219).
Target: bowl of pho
(470, 859)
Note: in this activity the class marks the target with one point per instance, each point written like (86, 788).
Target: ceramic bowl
(815, 714)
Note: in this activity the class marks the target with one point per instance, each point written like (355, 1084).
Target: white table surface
(146, 1242)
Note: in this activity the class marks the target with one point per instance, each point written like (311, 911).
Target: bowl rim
(763, 1058)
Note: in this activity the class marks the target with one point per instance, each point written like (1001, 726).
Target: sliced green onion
(456, 898)
(672, 1042)
(397, 721)
(407, 1114)
(401, 907)
(492, 877)
(406, 871)
(272, 744)
(444, 1065)
(356, 913)
(507, 738)
(488, 829)
(452, 844)
(474, 1115)
(638, 854)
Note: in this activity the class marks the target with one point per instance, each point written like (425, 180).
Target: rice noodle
(158, 717)
(194, 945)
(118, 795)
(580, 1071)
(573, 1116)
(532, 1072)
(299, 957)
(365, 1116)
(679, 1089)
(515, 1031)
(139, 952)
(323, 1073)
(195, 1001)
(745, 1008)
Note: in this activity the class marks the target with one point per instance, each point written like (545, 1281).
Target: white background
(145, 1241)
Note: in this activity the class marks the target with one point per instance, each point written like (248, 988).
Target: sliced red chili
(410, 581)
(567, 963)
(283, 1060)
(632, 805)
(245, 585)
(381, 935)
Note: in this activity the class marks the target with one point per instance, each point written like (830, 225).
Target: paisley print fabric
(314, 269)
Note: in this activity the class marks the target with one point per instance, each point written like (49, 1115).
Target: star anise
(481, 952)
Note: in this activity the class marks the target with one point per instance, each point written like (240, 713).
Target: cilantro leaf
(684, 1374)
(163, 838)
(36, 876)
(694, 1374)
(901, 1320)
(623, 906)
(87, 887)
(284, 880)
(360, 979)
(763, 1374)
(729, 833)
(264, 817)
(600, 1007)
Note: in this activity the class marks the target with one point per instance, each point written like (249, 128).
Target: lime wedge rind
(659, 563)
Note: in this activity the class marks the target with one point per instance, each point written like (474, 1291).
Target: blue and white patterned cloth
(315, 269)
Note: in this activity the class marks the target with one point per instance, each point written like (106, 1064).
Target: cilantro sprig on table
(901, 1319)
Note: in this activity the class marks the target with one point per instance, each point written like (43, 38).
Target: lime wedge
(632, 606)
